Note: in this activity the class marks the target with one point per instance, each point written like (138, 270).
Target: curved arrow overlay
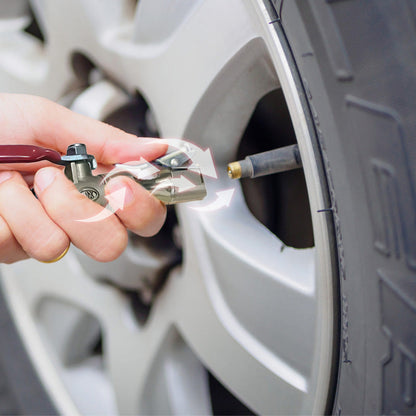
(116, 201)
(223, 200)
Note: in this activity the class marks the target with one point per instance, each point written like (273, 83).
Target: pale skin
(43, 228)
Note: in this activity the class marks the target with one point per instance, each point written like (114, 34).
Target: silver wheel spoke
(73, 334)
(186, 70)
(152, 369)
(129, 354)
(66, 281)
(65, 320)
(93, 17)
(244, 296)
(27, 65)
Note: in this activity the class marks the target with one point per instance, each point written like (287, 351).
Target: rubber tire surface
(357, 62)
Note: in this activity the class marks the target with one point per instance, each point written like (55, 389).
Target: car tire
(356, 61)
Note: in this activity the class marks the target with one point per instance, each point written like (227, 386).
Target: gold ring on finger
(62, 255)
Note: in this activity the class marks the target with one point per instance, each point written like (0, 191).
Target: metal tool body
(171, 170)
(78, 168)
(166, 180)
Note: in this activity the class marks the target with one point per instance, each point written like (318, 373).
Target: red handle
(26, 153)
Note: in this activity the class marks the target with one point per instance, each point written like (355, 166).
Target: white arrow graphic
(115, 202)
(183, 184)
(223, 200)
(202, 159)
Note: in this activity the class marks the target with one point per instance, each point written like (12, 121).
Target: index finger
(49, 124)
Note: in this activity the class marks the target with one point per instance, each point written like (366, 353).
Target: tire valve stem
(278, 160)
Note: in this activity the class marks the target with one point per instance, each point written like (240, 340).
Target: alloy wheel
(242, 307)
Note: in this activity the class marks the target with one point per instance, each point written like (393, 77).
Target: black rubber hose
(266, 163)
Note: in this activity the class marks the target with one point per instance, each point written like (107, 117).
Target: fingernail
(4, 176)
(44, 178)
(119, 193)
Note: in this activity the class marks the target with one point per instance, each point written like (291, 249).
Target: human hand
(43, 228)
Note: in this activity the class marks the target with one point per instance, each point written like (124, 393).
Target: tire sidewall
(365, 137)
